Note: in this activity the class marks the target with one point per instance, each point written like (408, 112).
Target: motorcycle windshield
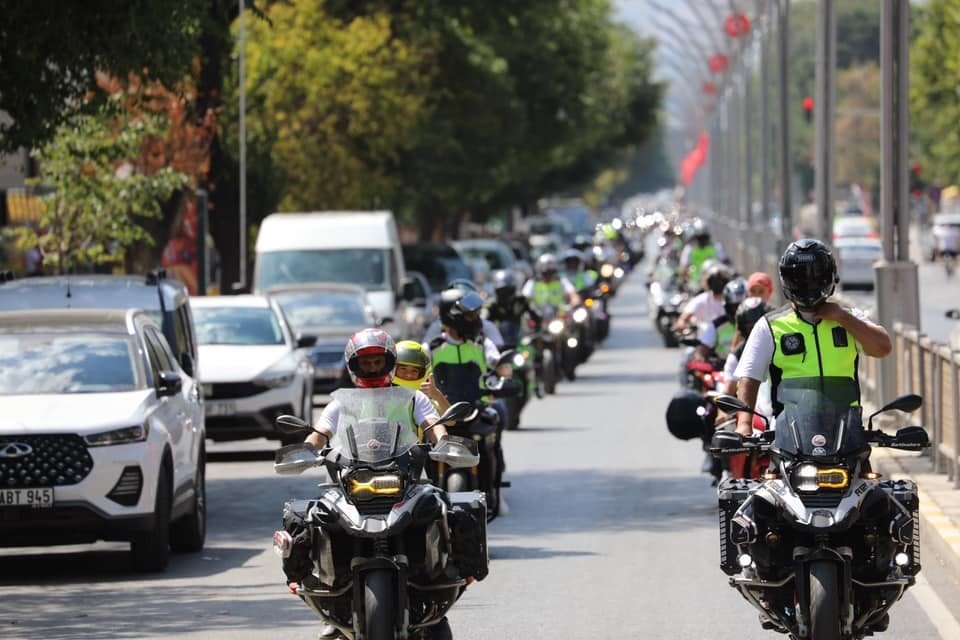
(820, 418)
(375, 425)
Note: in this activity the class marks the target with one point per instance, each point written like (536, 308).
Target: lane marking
(938, 612)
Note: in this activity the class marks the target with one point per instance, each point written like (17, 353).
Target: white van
(350, 247)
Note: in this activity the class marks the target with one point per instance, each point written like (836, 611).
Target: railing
(932, 370)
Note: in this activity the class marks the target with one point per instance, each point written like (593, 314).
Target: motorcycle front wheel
(379, 604)
(549, 372)
(824, 601)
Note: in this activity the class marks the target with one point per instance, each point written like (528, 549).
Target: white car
(101, 435)
(855, 259)
(254, 368)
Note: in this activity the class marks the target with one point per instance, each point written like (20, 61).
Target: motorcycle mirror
(458, 453)
(506, 357)
(911, 438)
(294, 459)
(730, 404)
(908, 404)
(291, 424)
(953, 314)
(726, 443)
(458, 412)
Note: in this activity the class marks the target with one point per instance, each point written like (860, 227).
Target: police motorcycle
(820, 544)
(380, 553)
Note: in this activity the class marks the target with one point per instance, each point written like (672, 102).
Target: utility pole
(825, 101)
(242, 29)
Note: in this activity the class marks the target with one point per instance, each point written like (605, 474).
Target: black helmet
(716, 278)
(572, 255)
(461, 312)
(808, 273)
(685, 415)
(749, 313)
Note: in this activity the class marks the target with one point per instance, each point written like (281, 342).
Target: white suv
(100, 437)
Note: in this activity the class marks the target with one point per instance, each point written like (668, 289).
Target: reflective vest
(549, 293)
(699, 255)
(726, 331)
(805, 350)
(583, 279)
(459, 370)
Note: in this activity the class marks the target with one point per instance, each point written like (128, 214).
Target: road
(611, 535)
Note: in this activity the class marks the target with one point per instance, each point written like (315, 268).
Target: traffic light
(808, 109)
(917, 185)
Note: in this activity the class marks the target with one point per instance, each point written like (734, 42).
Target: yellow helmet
(411, 353)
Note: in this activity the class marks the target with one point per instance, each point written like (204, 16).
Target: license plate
(221, 408)
(36, 498)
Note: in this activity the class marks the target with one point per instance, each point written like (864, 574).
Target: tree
(94, 169)
(934, 101)
(48, 56)
(857, 127)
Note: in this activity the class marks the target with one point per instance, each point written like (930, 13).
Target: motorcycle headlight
(125, 435)
(365, 486)
(676, 300)
(810, 477)
(555, 327)
(580, 315)
(607, 270)
(618, 272)
(588, 302)
(519, 360)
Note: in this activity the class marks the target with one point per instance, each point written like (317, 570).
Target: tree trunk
(143, 257)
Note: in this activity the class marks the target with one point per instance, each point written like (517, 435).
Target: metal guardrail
(932, 370)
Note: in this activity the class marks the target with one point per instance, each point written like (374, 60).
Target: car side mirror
(305, 341)
(187, 364)
(291, 425)
(169, 383)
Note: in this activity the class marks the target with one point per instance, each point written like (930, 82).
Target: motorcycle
(521, 358)
(820, 545)
(666, 301)
(381, 554)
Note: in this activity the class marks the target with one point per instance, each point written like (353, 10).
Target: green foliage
(858, 127)
(96, 189)
(49, 53)
(934, 94)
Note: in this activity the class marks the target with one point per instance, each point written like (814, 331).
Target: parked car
(101, 435)
(855, 259)
(332, 313)
(423, 306)
(163, 298)
(439, 262)
(496, 253)
(347, 247)
(255, 369)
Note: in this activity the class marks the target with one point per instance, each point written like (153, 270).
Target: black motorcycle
(820, 545)
(381, 554)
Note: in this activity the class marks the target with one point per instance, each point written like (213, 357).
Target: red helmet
(370, 342)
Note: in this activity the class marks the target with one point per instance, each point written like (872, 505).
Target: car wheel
(150, 550)
(188, 534)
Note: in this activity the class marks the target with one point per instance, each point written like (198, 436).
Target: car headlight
(124, 435)
(274, 379)
(580, 315)
(555, 327)
(606, 270)
(367, 485)
(810, 477)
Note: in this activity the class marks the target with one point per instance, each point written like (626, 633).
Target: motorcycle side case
(905, 492)
(467, 519)
(731, 494)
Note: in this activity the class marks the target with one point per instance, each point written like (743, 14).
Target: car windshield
(307, 309)
(490, 255)
(56, 363)
(821, 417)
(237, 326)
(374, 424)
(861, 227)
(439, 268)
(364, 267)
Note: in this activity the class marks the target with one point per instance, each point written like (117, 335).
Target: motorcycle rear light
(282, 543)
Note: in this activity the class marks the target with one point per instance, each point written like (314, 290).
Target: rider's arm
(571, 291)
(872, 337)
(325, 428)
(425, 416)
(752, 370)
(747, 391)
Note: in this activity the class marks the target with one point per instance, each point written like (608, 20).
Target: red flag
(694, 159)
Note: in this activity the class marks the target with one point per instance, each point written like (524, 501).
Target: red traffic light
(808, 104)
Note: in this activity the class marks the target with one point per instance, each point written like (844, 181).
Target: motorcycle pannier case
(467, 519)
(298, 565)
(731, 495)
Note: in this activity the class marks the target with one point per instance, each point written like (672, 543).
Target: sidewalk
(939, 502)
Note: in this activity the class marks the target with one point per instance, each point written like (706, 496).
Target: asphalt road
(611, 534)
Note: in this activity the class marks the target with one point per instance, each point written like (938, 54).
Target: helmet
(412, 354)
(504, 286)
(572, 255)
(749, 313)
(461, 312)
(734, 292)
(463, 285)
(716, 278)
(701, 231)
(808, 273)
(370, 342)
(685, 415)
(547, 264)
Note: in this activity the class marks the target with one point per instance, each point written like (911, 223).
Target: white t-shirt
(423, 410)
(758, 352)
(707, 334)
(948, 237)
(527, 291)
(764, 404)
(705, 307)
(490, 330)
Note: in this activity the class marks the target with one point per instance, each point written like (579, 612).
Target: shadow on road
(241, 456)
(507, 552)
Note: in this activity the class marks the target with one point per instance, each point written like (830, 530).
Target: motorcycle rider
(708, 304)
(413, 372)
(698, 250)
(549, 289)
(462, 357)
(576, 273)
(808, 337)
(760, 285)
(716, 337)
(371, 358)
(490, 330)
(507, 307)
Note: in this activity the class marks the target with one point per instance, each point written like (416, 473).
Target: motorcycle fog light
(572, 343)
(579, 315)
(618, 272)
(555, 326)
(901, 559)
(519, 360)
(745, 560)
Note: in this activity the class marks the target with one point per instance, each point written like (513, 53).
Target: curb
(938, 531)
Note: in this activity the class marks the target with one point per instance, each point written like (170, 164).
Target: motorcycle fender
(779, 494)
